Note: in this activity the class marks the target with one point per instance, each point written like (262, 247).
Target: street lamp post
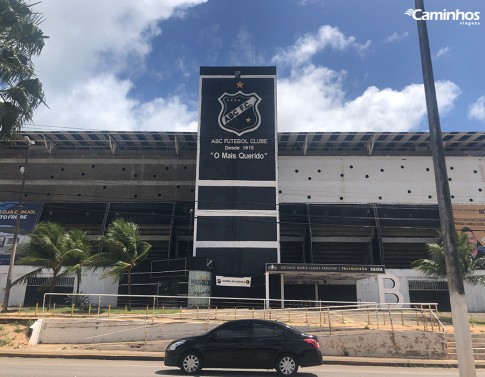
(459, 311)
(23, 172)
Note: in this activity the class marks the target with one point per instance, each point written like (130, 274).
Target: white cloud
(310, 44)
(477, 109)
(242, 53)
(313, 99)
(103, 103)
(167, 115)
(443, 51)
(394, 37)
(90, 43)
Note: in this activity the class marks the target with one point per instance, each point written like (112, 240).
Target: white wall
(368, 289)
(17, 292)
(376, 179)
(92, 282)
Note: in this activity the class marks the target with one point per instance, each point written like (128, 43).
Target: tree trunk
(51, 288)
(129, 289)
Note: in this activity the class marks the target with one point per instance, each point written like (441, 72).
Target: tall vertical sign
(236, 211)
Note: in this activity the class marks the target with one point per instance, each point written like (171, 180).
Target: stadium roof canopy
(289, 143)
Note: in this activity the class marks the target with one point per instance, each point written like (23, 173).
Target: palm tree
(20, 39)
(77, 240)
(122, 250)
(436, 268)
(50, 248)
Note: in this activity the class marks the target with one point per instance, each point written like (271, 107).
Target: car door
(223, 345)
(262, 346)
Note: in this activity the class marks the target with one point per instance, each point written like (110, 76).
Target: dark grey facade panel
(240, 198)
(239, 261)
(241, 228)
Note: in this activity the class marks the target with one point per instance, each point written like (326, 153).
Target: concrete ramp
(367, 343)
(85, 331)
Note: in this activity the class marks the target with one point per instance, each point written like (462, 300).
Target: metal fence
(328, 316)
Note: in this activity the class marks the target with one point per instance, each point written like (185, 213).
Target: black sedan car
(246, 343)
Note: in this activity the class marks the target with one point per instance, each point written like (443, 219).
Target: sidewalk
(139, 351)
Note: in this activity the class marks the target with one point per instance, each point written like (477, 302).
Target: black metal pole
(8, 284)
(459, 312)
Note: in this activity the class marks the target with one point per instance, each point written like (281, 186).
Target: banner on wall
(233, 281)
(470, 219)
(9, 211)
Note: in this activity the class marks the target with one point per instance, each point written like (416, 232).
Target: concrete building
(239, 210)
(345, 199)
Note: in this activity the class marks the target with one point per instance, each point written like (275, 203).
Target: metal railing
(319, 315)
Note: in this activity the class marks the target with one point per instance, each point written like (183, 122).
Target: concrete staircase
(478, 342)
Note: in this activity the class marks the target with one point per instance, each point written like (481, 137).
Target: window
(262, 330)
(231, 330)
(267, 330)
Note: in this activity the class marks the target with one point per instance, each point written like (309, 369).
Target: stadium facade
(333, 216)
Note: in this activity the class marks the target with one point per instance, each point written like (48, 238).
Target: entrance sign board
(340, 268)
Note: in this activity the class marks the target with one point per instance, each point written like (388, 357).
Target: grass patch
(18, 328)
(4, 342)
(446, 319)
(66, 310)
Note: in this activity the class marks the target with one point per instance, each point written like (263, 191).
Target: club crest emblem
(239, 112)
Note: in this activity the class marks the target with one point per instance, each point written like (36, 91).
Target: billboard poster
(470, 219)
(29, 215)
(199, 289)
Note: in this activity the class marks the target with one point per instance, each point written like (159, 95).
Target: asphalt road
(36, 367)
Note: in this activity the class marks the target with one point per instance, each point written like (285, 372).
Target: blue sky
(342, 65)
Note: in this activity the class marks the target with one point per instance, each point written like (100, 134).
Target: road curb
(326, 360)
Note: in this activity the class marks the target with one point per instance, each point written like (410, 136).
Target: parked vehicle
(248, 344)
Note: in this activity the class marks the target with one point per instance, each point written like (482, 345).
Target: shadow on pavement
(229, 373)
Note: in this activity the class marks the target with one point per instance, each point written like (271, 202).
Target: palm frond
(122, 249)
(435, 266)
(52, 248)
(24, 279)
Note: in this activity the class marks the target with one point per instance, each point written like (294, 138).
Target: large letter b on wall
(389, 285)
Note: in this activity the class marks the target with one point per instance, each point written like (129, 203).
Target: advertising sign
(199, 289)
(9, 211)
(470, 219)
(233, 281)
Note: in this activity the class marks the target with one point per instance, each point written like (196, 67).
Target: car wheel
(287, 365)
(191, 363)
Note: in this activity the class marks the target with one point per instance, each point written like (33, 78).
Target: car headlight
(174, 345)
